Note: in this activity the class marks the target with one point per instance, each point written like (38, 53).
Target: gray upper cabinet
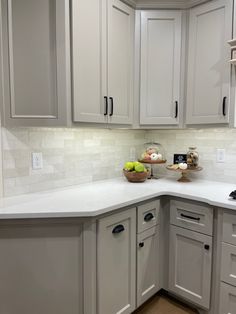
(208, 81)
(120, 62)
(160, 67)
(89, 60)
(36, 62)
(102, 61)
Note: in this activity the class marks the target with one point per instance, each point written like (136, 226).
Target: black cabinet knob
(148, 217)
(141, 244)
(207, 247)
(118, 229)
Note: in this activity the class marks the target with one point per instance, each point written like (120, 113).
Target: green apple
(139, 168)
(129, 166)
(136, 163)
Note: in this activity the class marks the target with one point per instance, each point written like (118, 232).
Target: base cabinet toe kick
(114, 263)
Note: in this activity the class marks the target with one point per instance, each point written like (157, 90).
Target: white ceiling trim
(164, 4)
(132, 3)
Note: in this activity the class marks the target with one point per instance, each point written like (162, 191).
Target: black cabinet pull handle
(141, 244)
(148, 217)
(112, 106)
(190, 217)
(106, 105)
(224, 106)
(176, 109)
(207, 247)
(118, 229)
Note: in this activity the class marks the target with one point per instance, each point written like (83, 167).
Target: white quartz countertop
(90, 200)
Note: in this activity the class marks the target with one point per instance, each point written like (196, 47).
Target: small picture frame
(180, 158)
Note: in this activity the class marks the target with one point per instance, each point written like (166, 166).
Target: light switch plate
(37, 161)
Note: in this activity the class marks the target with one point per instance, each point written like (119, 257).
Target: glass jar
(192, 158)
(152, 153)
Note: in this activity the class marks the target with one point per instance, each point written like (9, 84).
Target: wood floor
(164, 305)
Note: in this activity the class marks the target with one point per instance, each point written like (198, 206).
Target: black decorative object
(233, 194)
(180, 158)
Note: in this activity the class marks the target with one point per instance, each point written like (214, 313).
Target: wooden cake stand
(184, 173)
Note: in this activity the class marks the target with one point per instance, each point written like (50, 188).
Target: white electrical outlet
(37, 161)
(220, 155)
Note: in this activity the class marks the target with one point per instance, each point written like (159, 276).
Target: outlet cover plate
(37, 161)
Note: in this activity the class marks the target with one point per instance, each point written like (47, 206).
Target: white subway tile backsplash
(70, 156)
(74, 156)
(206, 141)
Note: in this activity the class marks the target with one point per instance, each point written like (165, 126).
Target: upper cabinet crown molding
(164, 4)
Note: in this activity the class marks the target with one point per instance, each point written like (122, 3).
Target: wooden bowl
(132, 176)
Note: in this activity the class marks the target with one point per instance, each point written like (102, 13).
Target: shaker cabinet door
(89, 60)
(160, 67)
(147, 264)
(208, 81)
(116, 263)
(120, 62)
(227, 299)
(36, 62)
(102, 53)
(190, 265)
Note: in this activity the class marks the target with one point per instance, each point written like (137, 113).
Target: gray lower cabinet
(228, 264)
(190, 264)
(192, 215)
(148, 215)
(41, 268)
(36, 62)
(227, 299)
(116, 263)
(229, 227)
(147, 264)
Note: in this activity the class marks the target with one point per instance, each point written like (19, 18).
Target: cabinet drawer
(148, 215)
(229, 227)
(227, 299)
(191, 216)
(228, 264)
